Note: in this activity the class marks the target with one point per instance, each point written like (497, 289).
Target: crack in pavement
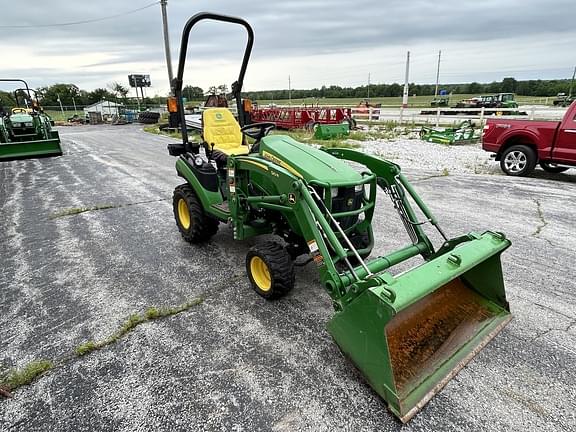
(77, 210)
(554, 310)
(543, 221)
(128, 325)
(442, 174)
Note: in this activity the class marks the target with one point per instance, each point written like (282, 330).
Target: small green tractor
(25, 131)
(408, 333)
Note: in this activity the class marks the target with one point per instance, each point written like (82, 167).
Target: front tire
(552, 168)
(194, 224)
(270, 270)
(518, 160)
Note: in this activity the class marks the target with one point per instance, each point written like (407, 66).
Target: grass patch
(85, 348)
(133, 321)
(78, 210)
(16, 378)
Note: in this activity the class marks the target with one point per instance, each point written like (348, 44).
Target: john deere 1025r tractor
(408, 334)
(25, 131)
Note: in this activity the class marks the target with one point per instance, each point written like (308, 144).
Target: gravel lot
(235, 361)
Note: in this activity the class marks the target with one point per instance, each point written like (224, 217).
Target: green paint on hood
(307, 161)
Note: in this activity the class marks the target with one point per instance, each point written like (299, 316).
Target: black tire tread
(203, 226)
(280, 265)
(148, 117)
(531, 157)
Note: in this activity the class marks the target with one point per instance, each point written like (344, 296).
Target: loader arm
(409, 334)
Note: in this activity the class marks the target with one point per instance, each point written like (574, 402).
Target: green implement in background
(26, 132)
(329, 131)
(464, 133)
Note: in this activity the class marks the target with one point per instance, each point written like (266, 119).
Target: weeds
(85, 348)
(78, 210)
(20, 377)
(445, 172)
(133, 321)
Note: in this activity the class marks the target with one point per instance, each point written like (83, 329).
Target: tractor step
(223, 206)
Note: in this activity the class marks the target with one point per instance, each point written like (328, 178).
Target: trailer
(497, 104)
(302, 117)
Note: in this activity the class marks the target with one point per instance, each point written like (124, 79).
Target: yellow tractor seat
(219, 127)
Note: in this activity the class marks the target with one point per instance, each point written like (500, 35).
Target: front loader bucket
(411, 334)
(30, 149)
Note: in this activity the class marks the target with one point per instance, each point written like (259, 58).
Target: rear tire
(518, 160)
(552, 168)
(270, 270)
(194, 224)
(148, 117)
(352, 125)
(310, 126)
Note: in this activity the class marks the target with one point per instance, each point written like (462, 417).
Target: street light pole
(406, 78)
(163, 4)
(437, 74)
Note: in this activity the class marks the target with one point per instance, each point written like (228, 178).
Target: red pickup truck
(521, 144)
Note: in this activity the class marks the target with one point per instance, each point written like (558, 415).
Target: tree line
(70, 94)
(507, 85)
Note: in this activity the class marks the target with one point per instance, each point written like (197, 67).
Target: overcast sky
(316, 42)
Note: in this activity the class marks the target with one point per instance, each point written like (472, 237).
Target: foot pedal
(223, 206)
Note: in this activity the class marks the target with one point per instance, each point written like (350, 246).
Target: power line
(80, 22)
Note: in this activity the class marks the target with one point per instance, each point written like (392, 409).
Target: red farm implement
(301, 117)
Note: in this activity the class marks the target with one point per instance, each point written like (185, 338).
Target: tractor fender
(207, 198)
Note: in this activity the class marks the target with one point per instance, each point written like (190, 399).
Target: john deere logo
(349, 202)
(219, 116)
(292, 198)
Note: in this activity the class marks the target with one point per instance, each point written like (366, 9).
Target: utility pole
(368, 86)
(289, 91)
(163, 4)
(405, 95)
(437, 74)
(61, 107)
(572, 83)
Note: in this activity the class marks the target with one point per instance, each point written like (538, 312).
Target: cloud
(316, 42)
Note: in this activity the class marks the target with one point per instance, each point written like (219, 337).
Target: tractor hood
(306, 161)
(21, 118)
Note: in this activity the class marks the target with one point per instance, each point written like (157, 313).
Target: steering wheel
(19, 111)
(258, 130)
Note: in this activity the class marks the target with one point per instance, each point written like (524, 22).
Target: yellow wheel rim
(260, 273)
(183, 214)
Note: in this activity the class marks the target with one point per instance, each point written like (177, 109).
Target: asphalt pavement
(235, 361)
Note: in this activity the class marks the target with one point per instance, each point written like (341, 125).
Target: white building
(104, 107)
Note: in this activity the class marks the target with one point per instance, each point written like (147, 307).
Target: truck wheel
(194, 224)
(270, 270)
(518, 160)
(552, 168)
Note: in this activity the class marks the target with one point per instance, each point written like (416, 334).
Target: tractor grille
(346, 200)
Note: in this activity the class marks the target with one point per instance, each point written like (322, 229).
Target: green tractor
(25, 131)
(408, 333)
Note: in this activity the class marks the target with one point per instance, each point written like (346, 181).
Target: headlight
(334, 192)
(358, 188)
